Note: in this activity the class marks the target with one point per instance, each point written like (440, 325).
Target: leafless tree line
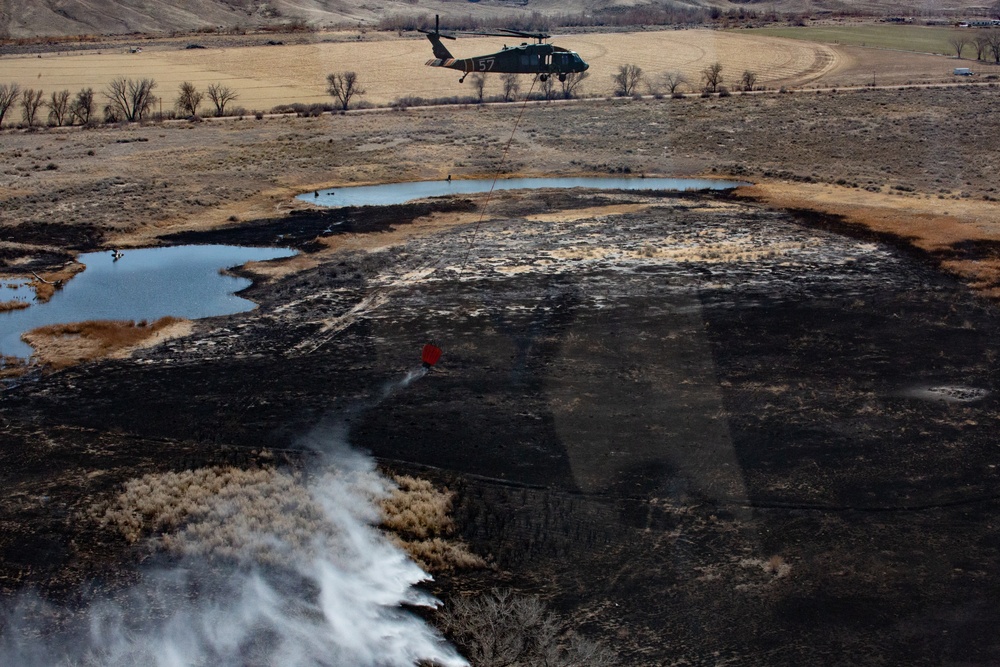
(189, 98)
(126, 100)
(629, 78)
(63, 110)
(985, 43)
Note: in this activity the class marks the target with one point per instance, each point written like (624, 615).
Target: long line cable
(331, 328)
(496, 175)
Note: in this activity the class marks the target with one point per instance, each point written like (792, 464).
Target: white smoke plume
(339, 602)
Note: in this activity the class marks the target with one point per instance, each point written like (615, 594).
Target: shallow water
(15, 290)
(146, 284)
(400, 193)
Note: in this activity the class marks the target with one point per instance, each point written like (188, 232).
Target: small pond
(400, 193)
(145, 284)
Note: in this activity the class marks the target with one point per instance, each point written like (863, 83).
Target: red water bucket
(431, 354)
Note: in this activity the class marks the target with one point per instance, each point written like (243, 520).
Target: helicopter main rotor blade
(483, 34)
(435, 32)
(519, 33)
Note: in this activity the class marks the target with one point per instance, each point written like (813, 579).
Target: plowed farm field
(266, 76)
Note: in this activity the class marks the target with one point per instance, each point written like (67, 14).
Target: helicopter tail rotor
(436, 33)
(440, 52)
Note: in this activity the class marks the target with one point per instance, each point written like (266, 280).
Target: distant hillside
(34, 18)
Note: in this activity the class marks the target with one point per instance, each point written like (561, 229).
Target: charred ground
(698, 428)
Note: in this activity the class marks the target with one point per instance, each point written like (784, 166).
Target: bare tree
(993, 41)
(343, 87)
(188, 99)
(478, 82)
(221, 96)
(627, 80)
(82, 108)
(59, 108)
(981, 44)
(749, 80)
(958, 41)
(129, 99)
(712, 76)
(672, 81)
(31, 102)
(571, 84)
(8, 95)
(548, 87)
(511, 86)
(502, 629)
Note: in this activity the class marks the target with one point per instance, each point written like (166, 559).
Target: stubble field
(391, 68)
(755, 427)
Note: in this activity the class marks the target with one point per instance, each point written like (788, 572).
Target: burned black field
(701, 430)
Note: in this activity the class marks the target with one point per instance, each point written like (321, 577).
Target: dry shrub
(417, 510)
(62, 345)
(219, 511)
(12, 366)
(13, 305)
(417, 514)
(439, 555)
(502, 628)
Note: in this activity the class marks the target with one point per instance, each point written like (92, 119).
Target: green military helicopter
(540, 58)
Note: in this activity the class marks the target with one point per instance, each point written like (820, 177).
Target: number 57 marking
(486, 64)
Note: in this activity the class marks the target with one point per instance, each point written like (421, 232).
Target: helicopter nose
(586, 66)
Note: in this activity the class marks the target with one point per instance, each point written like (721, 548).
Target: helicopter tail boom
(439, 49)
(441, 62)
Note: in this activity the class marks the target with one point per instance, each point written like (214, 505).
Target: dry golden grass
(46, 284)
(265, 514)
(417, 509)
(62, 345)
(220, 511)
(12, 366)
(418, 516)
(440, 555)
(266, 76)
(13, 305)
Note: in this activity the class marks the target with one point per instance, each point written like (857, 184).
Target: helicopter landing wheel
(543, 77)
(462, 80)
(562, 77)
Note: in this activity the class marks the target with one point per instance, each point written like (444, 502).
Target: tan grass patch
(265, 514)
(13, 305)
(46, 284)
(12, 367)
(217, 511)
(418, 514)
(62, 345)
(930, 224)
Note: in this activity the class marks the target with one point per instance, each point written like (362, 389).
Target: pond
(400, 193)
(144, 284)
